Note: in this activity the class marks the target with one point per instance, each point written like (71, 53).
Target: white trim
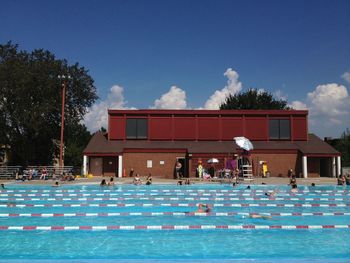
(304, 166)
(85, 162)
(334, 167)
(338, 166)
(120, 166)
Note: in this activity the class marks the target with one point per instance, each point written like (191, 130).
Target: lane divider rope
(173, 227)
(166, 190)
(175, 204)
(174, 199)
(211, 214)
(164, 194)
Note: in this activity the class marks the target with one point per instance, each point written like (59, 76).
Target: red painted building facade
(151, 141)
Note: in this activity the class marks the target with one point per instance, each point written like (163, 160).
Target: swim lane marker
(174, 205)
(173, 227)
(166, 214)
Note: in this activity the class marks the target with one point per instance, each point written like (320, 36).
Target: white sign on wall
(161, 162)
(149, 163)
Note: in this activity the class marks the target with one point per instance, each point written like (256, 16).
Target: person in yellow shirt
(200, 169)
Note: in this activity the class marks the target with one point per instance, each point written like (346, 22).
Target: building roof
(208, 112)
(316, 146)
(99, 144)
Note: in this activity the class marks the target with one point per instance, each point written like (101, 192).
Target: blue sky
(174, 54)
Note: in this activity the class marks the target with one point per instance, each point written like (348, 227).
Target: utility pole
(63, 86)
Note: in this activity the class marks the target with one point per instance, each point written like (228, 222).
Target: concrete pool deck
(128, 180)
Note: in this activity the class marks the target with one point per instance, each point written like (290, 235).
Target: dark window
(136, 128)
(131, 128)
(284, 130)
(142, 129)
(279, 129)
(274, 129)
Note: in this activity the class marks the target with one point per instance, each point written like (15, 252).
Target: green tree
(343, 146)
(253, 100)
(30, 102)
(77, 138)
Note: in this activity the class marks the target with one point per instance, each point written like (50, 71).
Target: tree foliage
(253, 100)
(30, 102)
(77, 137)
(343, 146)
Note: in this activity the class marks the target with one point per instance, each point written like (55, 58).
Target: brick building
(152, 141)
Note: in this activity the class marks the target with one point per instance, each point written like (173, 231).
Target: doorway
(110, 166)
(95, 166)
(184, 166)
(325, 167)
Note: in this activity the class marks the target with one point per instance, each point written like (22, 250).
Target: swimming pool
(159, 223)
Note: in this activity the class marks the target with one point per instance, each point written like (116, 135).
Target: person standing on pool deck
(178, 167)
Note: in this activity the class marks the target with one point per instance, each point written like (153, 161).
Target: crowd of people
(42, 173)
(147, 180)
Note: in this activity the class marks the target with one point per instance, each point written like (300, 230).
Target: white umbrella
(244, 143)
(213, 160)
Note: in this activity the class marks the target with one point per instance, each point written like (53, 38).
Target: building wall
(299, 128)
(138, 161)
(116, 127)
(207, 125)
(194, 161)
(277, 164)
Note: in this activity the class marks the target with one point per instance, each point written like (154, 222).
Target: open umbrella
(244, 143)
(213, 160)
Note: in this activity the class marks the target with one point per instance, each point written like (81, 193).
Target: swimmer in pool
(265, 217)
(203, 208)
(56, 184)
(271, 194)
(294, 188)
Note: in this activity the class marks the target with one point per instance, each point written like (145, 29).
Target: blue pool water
(132, 206)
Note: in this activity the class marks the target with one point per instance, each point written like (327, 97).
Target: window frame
(138, 130)
(284, 132)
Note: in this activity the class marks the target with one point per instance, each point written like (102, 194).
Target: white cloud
(175, 98)
(260, 91)
(346, 76)
(335, 121)
(329, 100)
(97, 116)
(233, 86)
(298, 105)
(329, 108)
(280, 95)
